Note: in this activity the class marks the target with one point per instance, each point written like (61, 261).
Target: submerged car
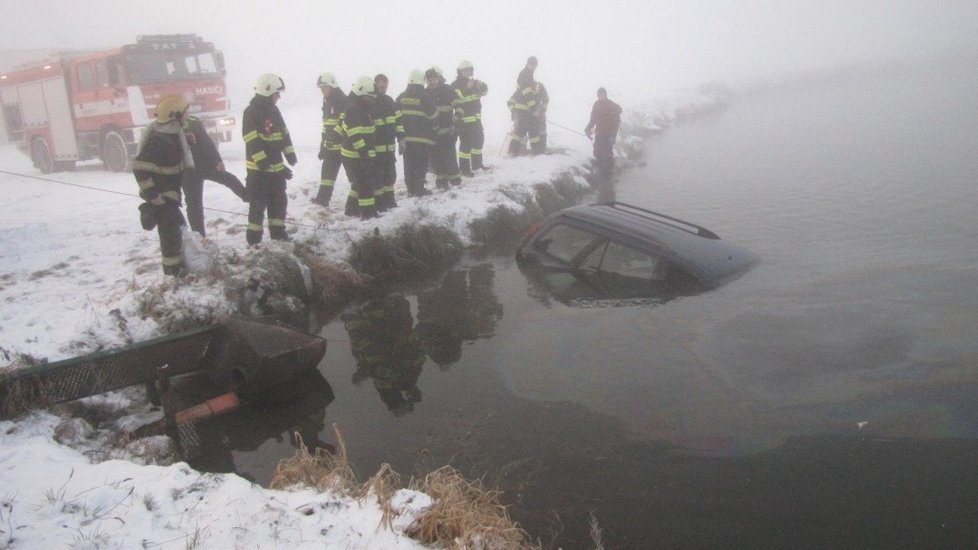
(616, 250)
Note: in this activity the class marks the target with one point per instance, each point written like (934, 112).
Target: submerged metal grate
(71, 379)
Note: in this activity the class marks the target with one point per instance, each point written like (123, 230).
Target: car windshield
(171, 65)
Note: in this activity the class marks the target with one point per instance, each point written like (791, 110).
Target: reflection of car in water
(615, 250)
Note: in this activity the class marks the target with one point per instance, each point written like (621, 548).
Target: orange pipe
(212, 407)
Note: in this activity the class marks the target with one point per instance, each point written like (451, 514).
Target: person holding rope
(604, 123)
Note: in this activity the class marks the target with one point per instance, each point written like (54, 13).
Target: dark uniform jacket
(357, 131)
(333, 107)
(605, 118)
(385, 120)
(523, 101)
(202, 147)
(468, 100)
(444, 99)
(266, 137)
(416, 115)
(159, 166)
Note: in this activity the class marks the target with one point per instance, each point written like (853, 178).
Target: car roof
(696, 249)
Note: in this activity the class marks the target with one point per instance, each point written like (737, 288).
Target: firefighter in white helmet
(468, 112)
(357, 130)
(267, 141)
(415, 132)
(163, 156)
(334, 103)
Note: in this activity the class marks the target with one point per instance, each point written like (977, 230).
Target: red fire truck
(77, 106)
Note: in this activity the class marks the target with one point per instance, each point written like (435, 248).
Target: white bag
(195, 256)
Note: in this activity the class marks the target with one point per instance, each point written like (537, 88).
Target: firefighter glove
(322, 154)
(291, 158)
(147, 216)
(287, 172)
(400, 148)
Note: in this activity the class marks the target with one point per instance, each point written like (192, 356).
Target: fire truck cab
(76, 106)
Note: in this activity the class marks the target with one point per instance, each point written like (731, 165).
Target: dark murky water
(828, 398)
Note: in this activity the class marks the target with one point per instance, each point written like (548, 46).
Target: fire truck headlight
(226, 121)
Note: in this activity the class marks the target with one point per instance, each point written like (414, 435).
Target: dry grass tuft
(336, 284)
(411, 252)
(18, 396)
(503, 226)
(465, 515)
(322, 470)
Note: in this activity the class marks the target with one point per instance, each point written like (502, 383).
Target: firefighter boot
(324, 195)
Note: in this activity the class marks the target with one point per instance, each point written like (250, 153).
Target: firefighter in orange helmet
(158, 168)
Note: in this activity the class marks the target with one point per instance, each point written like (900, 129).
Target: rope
(51, 180)
(568, 129)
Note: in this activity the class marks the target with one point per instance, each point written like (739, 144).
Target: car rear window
(563, 242)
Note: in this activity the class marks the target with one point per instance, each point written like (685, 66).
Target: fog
(636, 49)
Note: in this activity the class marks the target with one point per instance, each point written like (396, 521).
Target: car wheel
(115, 155)
(41, 156)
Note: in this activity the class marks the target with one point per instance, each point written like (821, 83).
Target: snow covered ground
(75, 263)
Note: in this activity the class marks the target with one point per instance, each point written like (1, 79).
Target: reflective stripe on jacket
(266, 137)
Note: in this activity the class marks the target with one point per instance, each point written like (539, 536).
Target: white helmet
(363, 86)
(327, 79)
(269, 84)
(464, 64)
(437, 70)
(416, 77)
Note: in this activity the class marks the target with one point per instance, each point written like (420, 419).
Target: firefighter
(267, 140)
(468, 110)
(604, 123)
(526, 77)
(537, 135)
(163, 155)
(208, 165)
(357, 130)
(334, 103)
(415, 132)
(444, 156)
(385, 120)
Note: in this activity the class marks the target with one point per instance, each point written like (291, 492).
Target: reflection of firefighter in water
(387, 349)
(464, 307)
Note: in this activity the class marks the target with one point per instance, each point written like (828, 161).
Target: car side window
(633, 263)
(563, 242)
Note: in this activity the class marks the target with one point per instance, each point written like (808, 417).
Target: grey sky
(631, 47)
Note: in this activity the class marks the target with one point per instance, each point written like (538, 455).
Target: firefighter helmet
(269, 84)
(437, 71)
(171, 107)
(464, 64)
(363, 86)
(416, 77)
(327, 79)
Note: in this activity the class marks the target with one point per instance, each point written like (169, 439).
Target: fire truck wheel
(115, 156)
(41, 156)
